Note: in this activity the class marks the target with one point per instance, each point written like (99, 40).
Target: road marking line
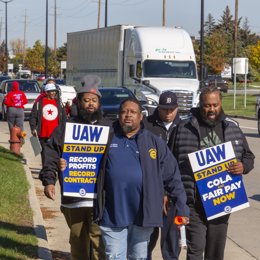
(246, 127)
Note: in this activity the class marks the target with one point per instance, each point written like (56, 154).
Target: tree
(17, 46)
(53, 64)
(255, 56)
(62, 53)
(246, 36)
(2, 57)
(226, 27)
(216, 52)
(226, 23)
(35, 57)
(209, 25)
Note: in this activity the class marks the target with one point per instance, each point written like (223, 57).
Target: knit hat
(168, 100)
(50, 87)
(90, 84)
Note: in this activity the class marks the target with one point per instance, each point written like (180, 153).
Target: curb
(243, 117)
(38, 222)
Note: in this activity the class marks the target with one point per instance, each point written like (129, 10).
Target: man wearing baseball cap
(163, 123)
(78, 212)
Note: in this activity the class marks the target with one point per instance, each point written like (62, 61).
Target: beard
(127, 128)
(209, 122)
(90, 117)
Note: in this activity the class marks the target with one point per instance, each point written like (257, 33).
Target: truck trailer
(147, 59)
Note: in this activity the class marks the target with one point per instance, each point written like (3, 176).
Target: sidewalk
(49, 223)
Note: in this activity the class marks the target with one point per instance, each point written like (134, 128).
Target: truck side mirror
(138, 69)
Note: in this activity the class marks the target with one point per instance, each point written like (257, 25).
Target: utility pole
(24, 37)
(6, 40)
(1, 30)
(55, 28)
(105, 13)
(98, 19)
(46, 42)
(164, 13)
(202, 44)
(235, 31)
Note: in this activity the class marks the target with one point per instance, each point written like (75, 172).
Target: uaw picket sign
(221, 192)
(84, 146)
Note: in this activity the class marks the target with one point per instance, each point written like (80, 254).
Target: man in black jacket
(208, 126)
(77, 211)
(163, 123)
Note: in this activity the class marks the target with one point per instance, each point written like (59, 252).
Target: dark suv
(218, 81)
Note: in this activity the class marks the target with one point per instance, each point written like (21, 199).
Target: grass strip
(17, 236)
(240, 109)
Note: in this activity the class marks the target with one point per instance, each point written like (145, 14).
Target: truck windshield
(169, 69)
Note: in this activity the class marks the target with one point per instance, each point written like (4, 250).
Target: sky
(78, 15)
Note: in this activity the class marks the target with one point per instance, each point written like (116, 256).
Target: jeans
(130, 242)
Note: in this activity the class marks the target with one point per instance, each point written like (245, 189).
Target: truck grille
(185, 101)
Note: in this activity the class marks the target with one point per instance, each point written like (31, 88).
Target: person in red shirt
(43, 93)
(15, 101)
(46, 115)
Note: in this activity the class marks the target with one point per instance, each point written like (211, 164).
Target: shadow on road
(255, 197)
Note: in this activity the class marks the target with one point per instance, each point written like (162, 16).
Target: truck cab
(162, 63)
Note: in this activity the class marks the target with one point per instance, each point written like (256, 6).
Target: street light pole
(6, 40)
(235, 31)
(46, 41)
(106, 13)
(202, 44)
(163, 14)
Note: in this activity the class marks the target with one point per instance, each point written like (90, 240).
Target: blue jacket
(160, 172)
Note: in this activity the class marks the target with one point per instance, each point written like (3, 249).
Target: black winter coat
(188, 139)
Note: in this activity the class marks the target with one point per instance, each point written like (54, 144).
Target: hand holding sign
(236, 168)
(63, 164)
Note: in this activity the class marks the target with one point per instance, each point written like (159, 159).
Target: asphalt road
(244, 229)
(250, 91)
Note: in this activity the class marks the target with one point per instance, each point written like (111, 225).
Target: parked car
(257, 110)
(40, 77)
(31, 89)
(60, 81)
(4, 77)
(23, 74)
(112, 98)
(218, 81)
(67, 93)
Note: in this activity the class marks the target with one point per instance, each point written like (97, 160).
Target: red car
(41, 77)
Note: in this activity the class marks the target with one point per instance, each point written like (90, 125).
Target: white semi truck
(147, 59)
